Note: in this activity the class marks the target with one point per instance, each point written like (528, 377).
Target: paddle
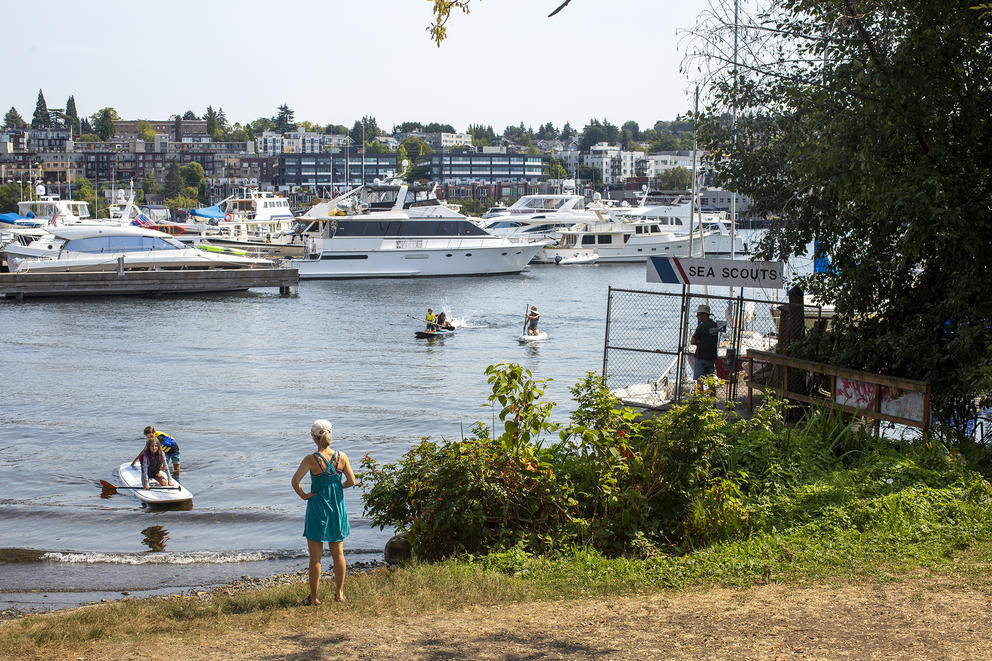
(111, 489)
(526, 313)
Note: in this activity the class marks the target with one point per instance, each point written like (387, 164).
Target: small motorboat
(441, 332)
(131, 478)
(578, 258)
(540, 337)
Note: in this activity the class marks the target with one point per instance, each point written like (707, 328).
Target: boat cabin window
(101, 244)
(543, 228)
(395, 228)
(605, 238)
(543, 204)
(588, 240)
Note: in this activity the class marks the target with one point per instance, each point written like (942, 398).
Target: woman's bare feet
(339, 597)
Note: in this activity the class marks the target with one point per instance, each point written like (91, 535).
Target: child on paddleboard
(532, 319)
(154, 464)
(169, 446)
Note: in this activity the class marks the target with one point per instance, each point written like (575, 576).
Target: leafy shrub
(618, 484)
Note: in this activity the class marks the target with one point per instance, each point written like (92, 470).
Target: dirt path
(912, 618)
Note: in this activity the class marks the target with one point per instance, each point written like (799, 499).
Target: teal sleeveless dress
(326, 520)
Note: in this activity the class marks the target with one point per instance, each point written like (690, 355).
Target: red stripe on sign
(685, 280)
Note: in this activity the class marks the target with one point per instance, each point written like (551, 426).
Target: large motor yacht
(400, 230)
(538, 216)
(620, 239)
(675, 218)
(115, 247)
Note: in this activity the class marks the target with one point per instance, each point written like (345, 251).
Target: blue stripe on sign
(663, 265)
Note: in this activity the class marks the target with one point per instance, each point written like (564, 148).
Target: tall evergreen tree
(177, 128)
(41, 118)
(284, 120)
(72, 117)
(211, 116)
(13, 119)
(173, 180)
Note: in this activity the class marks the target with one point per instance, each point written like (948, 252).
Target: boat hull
(459, 258)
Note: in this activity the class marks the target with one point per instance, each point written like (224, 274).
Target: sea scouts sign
(722, 272)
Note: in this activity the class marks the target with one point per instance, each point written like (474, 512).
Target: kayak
(429, 334)
(540, 337)
(131, 477)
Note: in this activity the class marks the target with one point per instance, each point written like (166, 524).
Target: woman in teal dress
(326, 519)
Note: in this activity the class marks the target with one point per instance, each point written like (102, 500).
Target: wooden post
(750, 383)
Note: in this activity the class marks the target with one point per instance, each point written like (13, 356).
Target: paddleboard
(131, 477)
(429, 334)
(540, 337)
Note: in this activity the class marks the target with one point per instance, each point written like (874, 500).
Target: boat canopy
(208, 212)
(19, 220)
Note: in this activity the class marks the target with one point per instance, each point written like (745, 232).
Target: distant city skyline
(503, 64)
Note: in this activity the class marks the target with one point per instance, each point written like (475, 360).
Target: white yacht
(401, 230)
(49, 209)
(612, 240)
(675, 218)
(115, 247)
(538, 216)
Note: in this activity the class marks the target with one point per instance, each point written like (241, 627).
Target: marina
(237, 378)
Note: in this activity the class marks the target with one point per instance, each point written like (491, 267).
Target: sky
(333, 62)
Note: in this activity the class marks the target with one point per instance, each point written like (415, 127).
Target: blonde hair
(321, 432)
(323, 439)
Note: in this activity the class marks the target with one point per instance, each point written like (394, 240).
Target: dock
(148, 283)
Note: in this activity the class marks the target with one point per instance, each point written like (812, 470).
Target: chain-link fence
(647, 357)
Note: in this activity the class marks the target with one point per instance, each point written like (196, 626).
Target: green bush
(622, 485)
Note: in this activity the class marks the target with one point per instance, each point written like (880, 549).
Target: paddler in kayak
(169, 446)
(154, 464)
(442, 321)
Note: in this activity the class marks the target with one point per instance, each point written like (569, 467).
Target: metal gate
(647, 358)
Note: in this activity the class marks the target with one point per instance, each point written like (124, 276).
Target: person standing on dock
(704, 338)
(169, 446)
(326, 518)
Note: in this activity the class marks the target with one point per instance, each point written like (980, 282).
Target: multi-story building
(298, 142)
(470, 166)
(616, 164)
(128, 128)
(652, 165)
(333, 171)
(34, 140)
(439, 141)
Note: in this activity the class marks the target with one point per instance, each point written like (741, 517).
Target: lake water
(237, 379)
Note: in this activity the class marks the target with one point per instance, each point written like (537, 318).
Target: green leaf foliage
(869, 133)
(683, 480)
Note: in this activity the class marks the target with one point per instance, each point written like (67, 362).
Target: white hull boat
(102, 248)
(397, 231)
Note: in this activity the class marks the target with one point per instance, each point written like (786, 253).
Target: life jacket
(168, 443)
